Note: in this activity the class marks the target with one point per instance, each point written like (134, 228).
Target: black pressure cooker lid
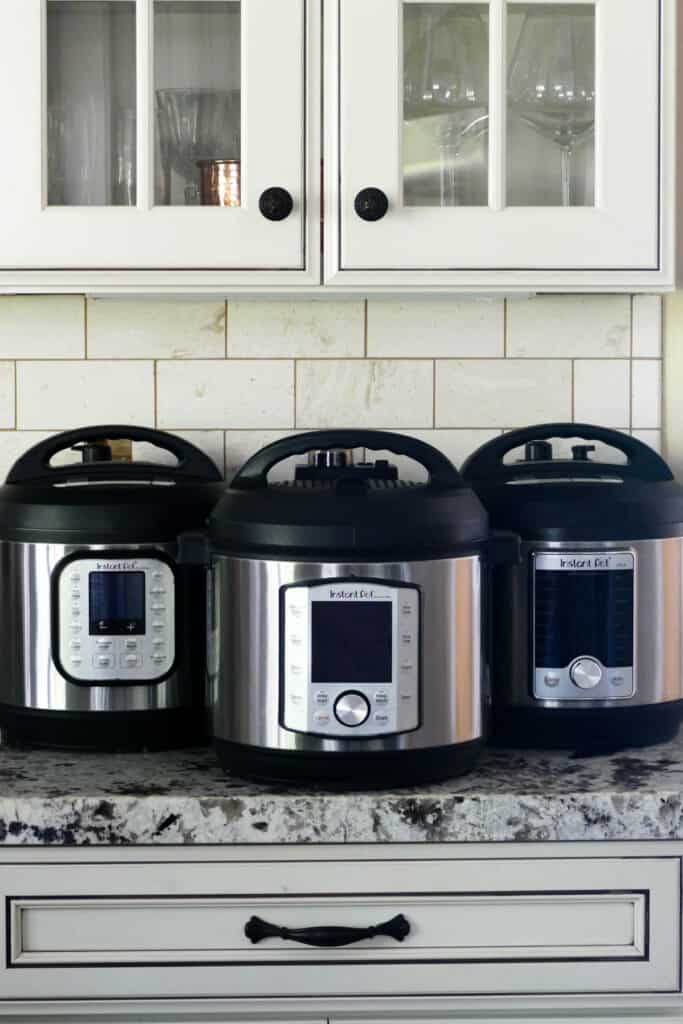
(337, 511)
(100, 500)
(578, 499)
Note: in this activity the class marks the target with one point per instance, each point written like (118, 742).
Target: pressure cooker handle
(486, 464)
(442, 472)
(34, 466)
(256, 930)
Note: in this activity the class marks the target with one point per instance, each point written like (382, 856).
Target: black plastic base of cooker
(586, 730)
(348, 771)
(103, 730)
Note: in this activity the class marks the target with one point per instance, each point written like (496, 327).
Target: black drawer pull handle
(256, 929)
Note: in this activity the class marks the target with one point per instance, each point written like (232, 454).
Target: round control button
(586, 673)
(351, 709)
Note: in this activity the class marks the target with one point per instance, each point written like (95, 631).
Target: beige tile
(365, 393)
(300, 329)
(428, 328)
(502, 392)
(647, 327)
(15, 443)
(647, 394)
(566, 326)
(42, 327)
(63, 395)
(240, 445)
(653, 438)
(235, 393)
(211, 442)
(601, 392)
(148, 329)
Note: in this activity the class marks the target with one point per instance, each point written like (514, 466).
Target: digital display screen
(584, 613)
(117, 603)
(351, 643)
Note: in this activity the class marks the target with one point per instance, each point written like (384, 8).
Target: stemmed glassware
(446, 75)
(552, 78)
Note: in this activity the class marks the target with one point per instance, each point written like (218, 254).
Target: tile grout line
(630, 369)
(16, 397)
(434, 362)
(365, 329)
(227, 314)
(155, 384)
(85, 327)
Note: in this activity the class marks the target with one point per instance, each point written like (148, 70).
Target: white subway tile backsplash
(238, 393)
(602, 392)
(651, 437)
(457, 445)
(502, 392)
(316, 330)
(240, 445)
(61, 395)
(42, 327)
(442, 329)
(365, 393)
(647, 327)
(211, 442)
(647, 394)
(137, 329)
(566, 326)
(14, 443)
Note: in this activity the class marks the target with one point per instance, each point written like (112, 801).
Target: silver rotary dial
(586, 673)
(352, 709)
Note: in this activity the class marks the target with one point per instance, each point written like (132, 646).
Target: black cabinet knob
(276, 204)
(371, 204)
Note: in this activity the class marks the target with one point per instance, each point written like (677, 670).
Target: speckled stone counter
(87, 799)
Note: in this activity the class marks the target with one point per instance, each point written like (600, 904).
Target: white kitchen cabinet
(471, 145)
(110, 108)
(516, 144)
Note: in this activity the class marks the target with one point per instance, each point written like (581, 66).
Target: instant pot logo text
(359, 594)
(117, 566)
(585, 563)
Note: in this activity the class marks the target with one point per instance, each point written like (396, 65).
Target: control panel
(350, 658)
(116, 619)
(584, 626)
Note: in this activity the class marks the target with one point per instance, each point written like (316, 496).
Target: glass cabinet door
(481, 135)
(153, 134)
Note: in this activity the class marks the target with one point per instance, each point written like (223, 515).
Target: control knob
(586, 673)
(351, 709)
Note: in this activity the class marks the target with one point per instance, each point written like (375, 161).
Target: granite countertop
(49, 798)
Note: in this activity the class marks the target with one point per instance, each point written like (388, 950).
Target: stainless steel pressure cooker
(102, 632)
(346, 640)
(588, 627)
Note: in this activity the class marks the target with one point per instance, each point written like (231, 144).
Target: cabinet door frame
(340, 219)
(298, 236)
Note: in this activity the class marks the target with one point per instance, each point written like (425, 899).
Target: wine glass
(552, 78)
(446, 76)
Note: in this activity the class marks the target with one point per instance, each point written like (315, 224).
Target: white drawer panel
(476, 927)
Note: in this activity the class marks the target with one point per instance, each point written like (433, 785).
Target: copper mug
(219, 182)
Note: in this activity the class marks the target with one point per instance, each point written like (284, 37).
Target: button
(75, 594)
(132, 660)
(157, 591)
(132, 645)
(322, 698)
(296, 670)
(321, 717)
(381, 697)
(406, 609)
(76, 628)
(103, 661)
(617, 680)
(406, 698)
(76, 612)
(381, 718)
(352, 709)
(406, 638)
(295, 640)
(295, 610)
(156, 642)
(75, 577)
(158, 625)
(407, 666)
(75, 645)
(158, 607)
(76, 661)
(551, 680)
(157, 577)
(103, 645)
(586, 673)
(158, 659)
(296, 698)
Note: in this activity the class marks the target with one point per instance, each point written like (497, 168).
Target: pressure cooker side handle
(442, 472)
(487, 463)
(34, 466)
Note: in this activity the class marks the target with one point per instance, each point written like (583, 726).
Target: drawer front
(476, 927)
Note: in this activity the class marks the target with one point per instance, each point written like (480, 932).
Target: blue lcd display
(117, 603)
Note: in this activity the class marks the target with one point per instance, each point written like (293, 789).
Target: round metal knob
(371, 204)
(586, 673)
(276, 204)
(352, 709)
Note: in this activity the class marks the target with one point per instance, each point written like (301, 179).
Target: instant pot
(346, 637)
(588, 626)
(102, 631)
